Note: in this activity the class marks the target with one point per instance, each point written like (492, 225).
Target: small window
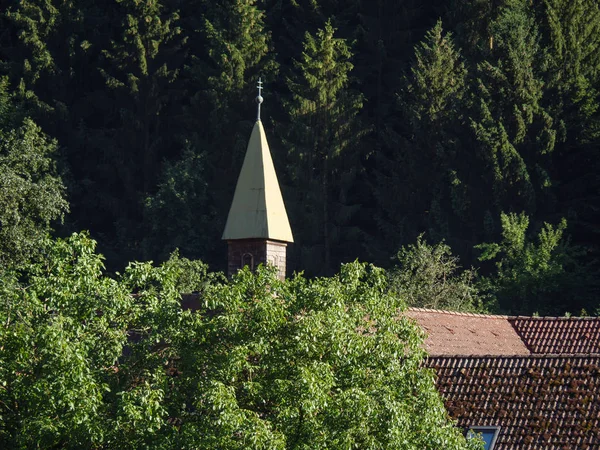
(248, 260)
(273, 260)
(488, 434)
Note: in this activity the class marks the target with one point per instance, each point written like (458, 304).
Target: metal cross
(259, 98)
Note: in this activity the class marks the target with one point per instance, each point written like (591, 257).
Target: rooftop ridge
(458, 313)
(500, 316)
(518, 356)
(540, 318)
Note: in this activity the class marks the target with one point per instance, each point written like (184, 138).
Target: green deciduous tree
(429, 276)
(178, 214)
(66, 332)
(90, 361)
(63, 330)
(32, 194)
(538, 273)
(311, 364)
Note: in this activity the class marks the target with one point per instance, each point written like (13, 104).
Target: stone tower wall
(253, 252)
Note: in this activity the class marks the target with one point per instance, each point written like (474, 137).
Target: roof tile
(559, 335)
(450, 333)
(539, 401)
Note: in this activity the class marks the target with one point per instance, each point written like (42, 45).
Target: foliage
(425, 168)
(428, 276)
(177, 214)
(438, 77)
(536, 275)
(63, 330)
(230, 48)
(66, 331)
(90, 361)
(384, 124)
(311, 365)
(323, 143)
(141, 68)
(571, 31)
(32, 194)
(516, 134)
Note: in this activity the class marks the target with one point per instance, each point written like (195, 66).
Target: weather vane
(259, 98)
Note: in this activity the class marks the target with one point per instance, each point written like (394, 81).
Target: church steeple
(257, 229)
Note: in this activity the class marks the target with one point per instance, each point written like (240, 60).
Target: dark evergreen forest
(391, 122)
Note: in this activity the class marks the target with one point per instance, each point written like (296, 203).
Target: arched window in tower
(248, 260)
(272, 259)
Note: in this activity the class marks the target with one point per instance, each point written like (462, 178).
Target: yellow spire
(257, 210)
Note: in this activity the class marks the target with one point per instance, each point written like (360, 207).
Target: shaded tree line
(475, 123)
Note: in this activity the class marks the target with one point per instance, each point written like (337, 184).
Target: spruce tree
(323, 141)
(421, 182)
(514, 133)
(570, 33)
(142, 68)
(50, 51)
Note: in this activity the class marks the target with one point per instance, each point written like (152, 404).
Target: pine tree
(142, 71)
(570, 32)
(421, 183)
(323, 142)
(514, 132)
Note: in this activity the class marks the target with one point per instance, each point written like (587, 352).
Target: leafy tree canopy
(31, 191)
(536, 273)
(90, 361)
(429, 276)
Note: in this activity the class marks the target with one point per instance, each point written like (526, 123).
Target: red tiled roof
(540, 402)
(452, 333)
(537, 378)
(557, 335)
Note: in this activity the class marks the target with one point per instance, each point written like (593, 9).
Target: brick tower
(257, 229)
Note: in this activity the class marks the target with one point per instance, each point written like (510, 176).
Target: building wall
(253, 252)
